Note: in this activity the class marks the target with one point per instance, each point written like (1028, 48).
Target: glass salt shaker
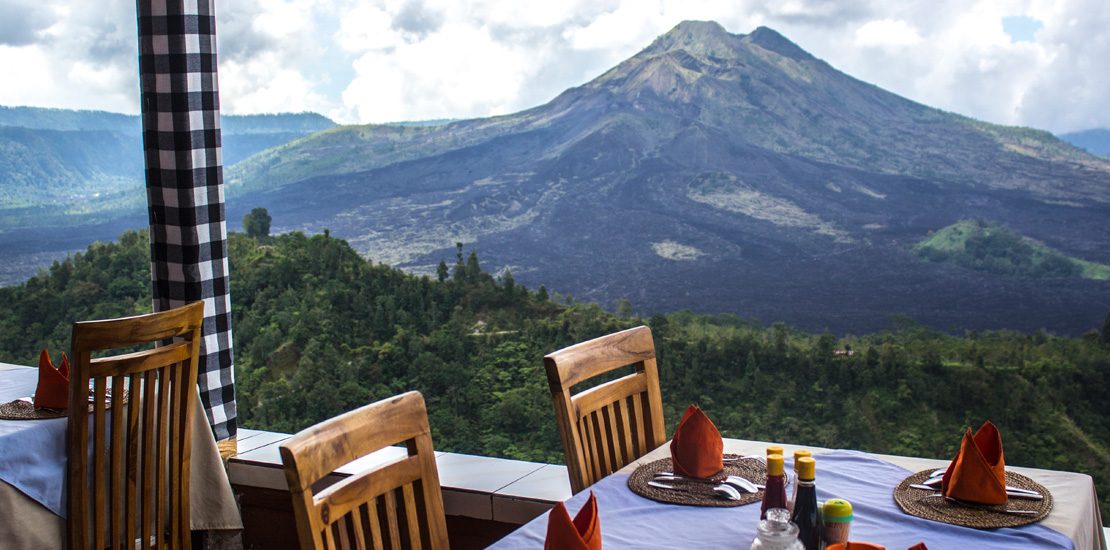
(776, 532)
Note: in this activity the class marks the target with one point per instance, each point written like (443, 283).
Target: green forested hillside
(996, 249)
(319, 330)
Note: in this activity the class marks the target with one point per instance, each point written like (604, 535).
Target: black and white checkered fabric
(184, 180)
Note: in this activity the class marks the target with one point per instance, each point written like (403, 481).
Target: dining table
(33, 474)
(627, 520)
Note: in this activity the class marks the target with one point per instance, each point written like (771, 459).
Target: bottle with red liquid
(774, 495)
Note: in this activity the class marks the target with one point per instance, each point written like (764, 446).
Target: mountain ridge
(717, 172)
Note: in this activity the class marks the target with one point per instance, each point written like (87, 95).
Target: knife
(1023, 494)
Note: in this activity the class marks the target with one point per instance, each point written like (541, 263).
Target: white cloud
(380, 60)
(886, 32)
(459, 71)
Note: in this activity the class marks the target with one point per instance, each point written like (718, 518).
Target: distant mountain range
(1096, 140)
(718, 172)
(63, 167)
(70, 177)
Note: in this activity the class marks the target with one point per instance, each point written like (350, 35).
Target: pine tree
(256, 223)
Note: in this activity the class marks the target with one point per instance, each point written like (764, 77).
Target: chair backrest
(133, 484)
(394, 505)
(612, 424)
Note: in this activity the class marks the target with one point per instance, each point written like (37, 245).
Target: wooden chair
(610, 425)
(397, 505)
(136, 487)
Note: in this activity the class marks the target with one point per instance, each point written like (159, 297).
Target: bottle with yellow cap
(805, 504)
(774, 492)
(792, 481)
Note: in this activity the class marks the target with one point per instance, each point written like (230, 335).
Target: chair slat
(412, 519)
(119, 484)
(149, 450)
(624, 431)
(391, 520)
(615, 437)
(604, 441)
(161, 496)
(133, 436)
(375, 523)
(357, 532)
(100, 492)
(638, 432)
(176, 512)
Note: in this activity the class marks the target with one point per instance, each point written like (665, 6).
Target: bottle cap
(806, 467)
(836, 510)
(774, 450)
(774, 465)
(799, 454)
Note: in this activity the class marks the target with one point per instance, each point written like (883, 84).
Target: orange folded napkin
(53, 389)
(696, 448)
(978, 473)
(583, 533)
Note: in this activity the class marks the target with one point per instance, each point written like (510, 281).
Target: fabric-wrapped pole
(184, 182)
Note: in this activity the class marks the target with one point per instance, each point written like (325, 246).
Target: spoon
(742, 483)
(727, 492)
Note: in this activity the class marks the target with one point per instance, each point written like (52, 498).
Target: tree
(624, 308)
(1105, 334)
(473, 270)
(256, 223)
(441, 271)
(459, 274)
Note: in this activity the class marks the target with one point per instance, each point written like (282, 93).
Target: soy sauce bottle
(805, 504)
(774, 494)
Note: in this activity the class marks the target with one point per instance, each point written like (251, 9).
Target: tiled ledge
(478, 487)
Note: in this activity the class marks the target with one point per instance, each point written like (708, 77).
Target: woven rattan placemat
(25, 410)
(914, 502)
(698, 493)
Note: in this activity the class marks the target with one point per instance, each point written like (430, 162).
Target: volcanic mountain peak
(709, 41)
(697, 37)
(771, 40)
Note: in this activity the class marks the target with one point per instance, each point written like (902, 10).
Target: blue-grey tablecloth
(32, 452)
(631, 521)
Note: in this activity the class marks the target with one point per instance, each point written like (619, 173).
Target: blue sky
(1037, 63)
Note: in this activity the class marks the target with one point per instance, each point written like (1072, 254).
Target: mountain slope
(1096, 141)
(793, 192)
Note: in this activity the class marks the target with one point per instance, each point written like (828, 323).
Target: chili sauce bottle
(774, 493)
